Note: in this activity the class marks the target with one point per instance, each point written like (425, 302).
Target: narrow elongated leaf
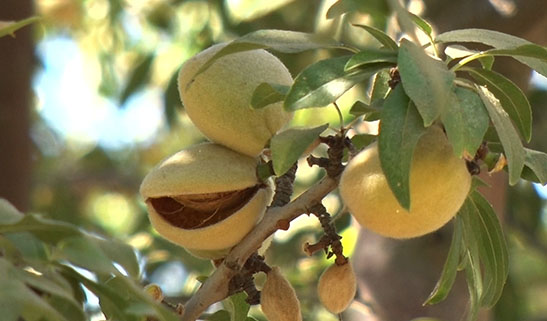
(511, 97)
(120, 253)
(494, 39)
(465, 120)
(266, 94)
(171, 100)
(380, 86)
(279, 40)
(138, 78)
(323, 82)
(373, 7)
(359, 108)
(289, 145)
(528, 51)
(371, 56)
(83, 252)
(9, 27)
(450, 268)
(512, 146)
(400, 129)
(536, 166)
(493, 249)
(8, 213)
(47, 230)
(381, 36)
(237, 306)
(427, 81)
(421, 24)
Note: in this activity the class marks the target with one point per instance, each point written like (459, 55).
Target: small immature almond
(337, 287)
(278, 299)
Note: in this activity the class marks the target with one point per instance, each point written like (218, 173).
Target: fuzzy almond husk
(439, 184)
(218, 101)
(278, 299)
(205, 198)
(337, 286)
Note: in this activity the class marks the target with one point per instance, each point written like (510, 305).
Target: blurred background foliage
(106, 110)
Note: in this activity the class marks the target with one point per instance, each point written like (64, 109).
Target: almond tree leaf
(237, 306)
(450, 268)
(138, 78)
(528, 50)
(493, 250)
(381, 36)
(400, 129)
(361, 141)
(8, 213)
(120, 253)
(83, 252)
(371, 56)
(427, 81)
(221, 315)
(47, 230)
(289, 145)
(171, 100)
(514, 151)
(494, 39)
(9, 27)
(465, 120)
(278, 40)
(266, 94)
(536, 166)
(380, 86)
(372, 7)
(511, 97)
(321, 83)
(422, 24)
(359, 108)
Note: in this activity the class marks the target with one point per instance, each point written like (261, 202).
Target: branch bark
(215, 288)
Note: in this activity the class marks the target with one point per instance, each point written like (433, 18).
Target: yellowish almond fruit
(205, 198)
(337, 286)
(439, 184)
(218, 101)
(278, 299)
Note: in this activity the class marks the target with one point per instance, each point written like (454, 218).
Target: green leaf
(493, 249)
(361, 141)
(221, 315)
(536, 166)
(171, 100)
(400, 129)
(381, 36)
(465, 120)
(289, 145)
(82, 251)
(47, 230)
(279, 40)
(237, 306)
(9, 27)
(371, 56)
(450, 268)
(8, 213)
(528, 51)
(511, 97)
(266, 94)
(380, 86)
(137, 78)
(371, 113)
(120, 253)
(426, 81)
(321, 83)
(421, 24)
(494, 39)
(514, 151)
(373, 7)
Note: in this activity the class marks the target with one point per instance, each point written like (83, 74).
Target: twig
(215, 288)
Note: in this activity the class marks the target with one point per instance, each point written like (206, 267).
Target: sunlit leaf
(221, 315)
(536, 166)
(400, 129)
(8, 213)
(321, 83)
(266, 94)
(511, 97)
(426, 81)
(372, 7)
(237, 306)
(288, 146)
(83, 252)
(422, 24)
(494, 39)
(450, 268)
(465, 120)
(381, 36)
(528, 50)
(9, 27)
(279, 40)
(138, 78)
(371, 56)
(120, 253)
(514, 151)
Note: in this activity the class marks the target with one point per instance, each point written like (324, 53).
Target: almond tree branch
(215, 288)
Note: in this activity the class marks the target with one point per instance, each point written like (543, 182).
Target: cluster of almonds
(207, 197)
